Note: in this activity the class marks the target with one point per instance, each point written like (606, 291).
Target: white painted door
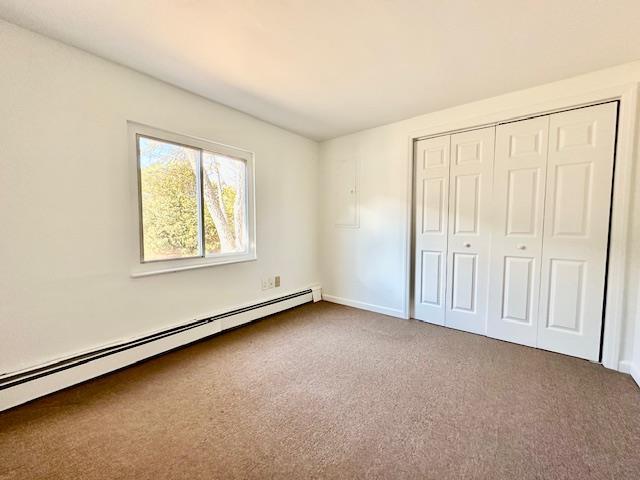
(431, 211)
(469, 239)
(518, 204)
(576, 230)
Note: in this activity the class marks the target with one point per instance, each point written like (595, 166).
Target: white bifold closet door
(469, 242)
(576, 230)
(452, 229)
(552, 199)
(431, 220)
(512, 227)
(518, 205)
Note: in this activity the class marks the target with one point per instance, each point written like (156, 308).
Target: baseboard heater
(35, 382)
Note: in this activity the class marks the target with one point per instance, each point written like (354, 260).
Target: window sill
(165, 268)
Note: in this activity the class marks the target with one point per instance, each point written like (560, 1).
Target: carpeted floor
(326, 391)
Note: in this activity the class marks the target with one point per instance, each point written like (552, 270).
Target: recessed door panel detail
(566, 294)
(466, 207)
(517, 289)
(432, 206)
(434, 157)
(524, 144)
(522, 201)
(468, 152)
(463, 294)
(580, 134)
(572, 199)
(431, 268)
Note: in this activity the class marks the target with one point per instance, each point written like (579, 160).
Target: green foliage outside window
(170, 210)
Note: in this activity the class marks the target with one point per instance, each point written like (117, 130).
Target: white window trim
(143, 269)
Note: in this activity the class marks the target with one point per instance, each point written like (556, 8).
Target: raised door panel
(469, 242)
(431, 223)
(435, 156)
(469, 151)
(518, 202)
(464, 282)
(433, 198)
(577, 206)
(518, 289)
(573, 185)
(566, 295)
(523, 201)
(431, 275)
(467, 204)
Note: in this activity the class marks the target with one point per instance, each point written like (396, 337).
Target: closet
(511, 229)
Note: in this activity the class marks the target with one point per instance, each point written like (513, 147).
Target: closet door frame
(627, 96)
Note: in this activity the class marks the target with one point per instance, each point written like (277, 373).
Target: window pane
(169, 178)
(224, 193)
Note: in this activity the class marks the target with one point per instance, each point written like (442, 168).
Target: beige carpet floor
(326, 391)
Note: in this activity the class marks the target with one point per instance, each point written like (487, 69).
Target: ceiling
(324, 68)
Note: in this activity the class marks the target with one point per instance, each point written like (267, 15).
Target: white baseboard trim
(634, 370)
(364, 306)
(20, 387)
(627, 366)
(624, 366)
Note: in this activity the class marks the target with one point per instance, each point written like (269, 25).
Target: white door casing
(576, 229)
(518, 206)
(431, 220)
(469, 239)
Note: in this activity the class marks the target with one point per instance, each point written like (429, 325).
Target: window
(195, 201)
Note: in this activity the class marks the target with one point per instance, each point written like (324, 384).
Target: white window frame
(143, 268)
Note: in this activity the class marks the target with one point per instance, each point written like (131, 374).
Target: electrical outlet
(270, 282)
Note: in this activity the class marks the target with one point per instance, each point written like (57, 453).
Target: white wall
(366, 266)
(635, 356)
(65, 212)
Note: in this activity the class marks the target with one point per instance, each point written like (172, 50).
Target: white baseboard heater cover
(20, 387)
